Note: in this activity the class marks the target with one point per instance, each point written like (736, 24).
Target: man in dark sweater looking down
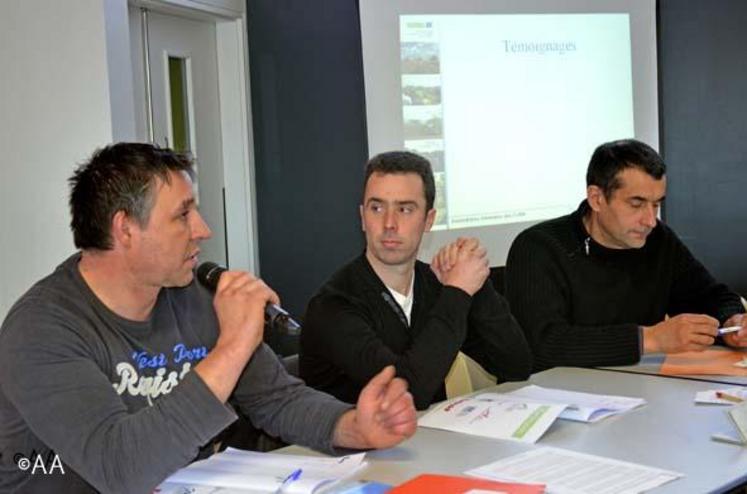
(595, 287)
(387, 308)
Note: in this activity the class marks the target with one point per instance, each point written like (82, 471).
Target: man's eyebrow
(645, 199)
(187, 204)
(406, 202)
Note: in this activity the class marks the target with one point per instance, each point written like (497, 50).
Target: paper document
(362, 487)
(583, 407)
(738, 415)
(169, 488)
(566, 472)
(266, 472)
(494, 415)
(729, 396)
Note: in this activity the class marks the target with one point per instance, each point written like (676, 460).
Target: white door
(185, 106)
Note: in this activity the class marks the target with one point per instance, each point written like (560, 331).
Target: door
(185, 103)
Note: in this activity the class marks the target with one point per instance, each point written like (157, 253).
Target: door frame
(237, 146)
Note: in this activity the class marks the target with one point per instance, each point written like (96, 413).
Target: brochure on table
(265, 472)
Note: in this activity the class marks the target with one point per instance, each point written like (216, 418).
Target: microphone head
(208, 274)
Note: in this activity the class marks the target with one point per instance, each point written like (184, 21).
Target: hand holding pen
(734, 331)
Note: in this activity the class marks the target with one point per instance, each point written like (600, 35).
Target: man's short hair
(611, 158)
(118, 177)
(400, 162)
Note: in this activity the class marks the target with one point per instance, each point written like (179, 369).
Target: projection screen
(507, 99)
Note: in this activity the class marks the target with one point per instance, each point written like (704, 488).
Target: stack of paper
(566, 472)
(494, 415)
(524, 414)
(738, 415)
(235, 470)
(169, 488)
(582, 407)
(726, 396)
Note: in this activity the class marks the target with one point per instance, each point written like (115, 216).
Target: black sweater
(354, 328)
(581, 304)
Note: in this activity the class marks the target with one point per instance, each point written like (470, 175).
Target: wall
(703, 83)
(119, 68)
(54, 110)
(310, 140)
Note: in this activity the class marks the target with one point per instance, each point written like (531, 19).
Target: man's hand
(463, 264)
(738, 339)
(385, 415)
(239, 303)
(682, 333)
(447, 256)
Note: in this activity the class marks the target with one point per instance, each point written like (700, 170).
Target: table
(651, 364)
(670, 432)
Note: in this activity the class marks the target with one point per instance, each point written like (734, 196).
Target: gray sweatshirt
(102, 403)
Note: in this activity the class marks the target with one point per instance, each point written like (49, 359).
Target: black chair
(498, 278)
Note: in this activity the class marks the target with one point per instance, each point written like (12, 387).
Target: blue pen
(294, 475)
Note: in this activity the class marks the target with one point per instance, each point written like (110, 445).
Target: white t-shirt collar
(405, 301)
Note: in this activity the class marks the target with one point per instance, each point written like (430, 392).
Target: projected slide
(508, 108)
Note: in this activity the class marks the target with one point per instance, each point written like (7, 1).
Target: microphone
(208, 274)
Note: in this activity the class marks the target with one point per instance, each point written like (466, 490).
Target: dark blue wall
(703, 100)
(308, 108)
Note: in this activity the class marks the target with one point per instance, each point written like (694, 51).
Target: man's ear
(363, 223)
(122, 228)
(595, 197)
(430, 217)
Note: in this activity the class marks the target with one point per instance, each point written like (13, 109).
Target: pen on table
(728, 397)
(293, 476)
(730, 329)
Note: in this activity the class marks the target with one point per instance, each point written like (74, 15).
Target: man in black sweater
(385, 307)
(594, 287)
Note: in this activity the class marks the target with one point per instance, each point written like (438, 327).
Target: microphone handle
(208, 273)
(279, 318)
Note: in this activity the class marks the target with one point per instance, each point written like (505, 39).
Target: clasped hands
(462, 264)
